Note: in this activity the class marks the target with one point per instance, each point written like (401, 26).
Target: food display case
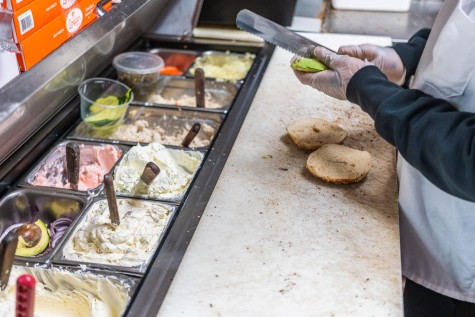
(40, 111)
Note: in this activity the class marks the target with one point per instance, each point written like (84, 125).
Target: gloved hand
(385, 58)
(334, 81)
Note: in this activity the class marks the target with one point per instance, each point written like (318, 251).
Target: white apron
(438, 229)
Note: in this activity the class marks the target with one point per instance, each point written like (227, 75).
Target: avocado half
(308, 65)
(23, 249)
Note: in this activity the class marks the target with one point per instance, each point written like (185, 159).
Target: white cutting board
(275, 241)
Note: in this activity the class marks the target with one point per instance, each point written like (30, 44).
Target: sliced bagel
(311, 133)
(339, 164)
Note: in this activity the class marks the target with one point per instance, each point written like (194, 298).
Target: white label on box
(74, 20)
(65, 4)
(26, 22)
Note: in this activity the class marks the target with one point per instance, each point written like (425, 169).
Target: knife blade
(275, 34)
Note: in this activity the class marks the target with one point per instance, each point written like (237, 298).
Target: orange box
(15, 4)
(37, 14)
(38, 45)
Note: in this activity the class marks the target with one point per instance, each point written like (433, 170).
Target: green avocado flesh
(308, 65)
(23, 249)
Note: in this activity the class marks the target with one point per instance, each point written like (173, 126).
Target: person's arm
(430, 133)
(410, 52)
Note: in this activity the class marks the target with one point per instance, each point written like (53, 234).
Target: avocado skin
(23, 250)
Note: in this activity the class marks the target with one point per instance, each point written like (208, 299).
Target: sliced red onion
(56, 231)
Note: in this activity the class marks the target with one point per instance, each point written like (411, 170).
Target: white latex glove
(385, 58)
(334, 81)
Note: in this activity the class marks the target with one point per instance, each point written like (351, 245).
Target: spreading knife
(7, 255)
(276, 34)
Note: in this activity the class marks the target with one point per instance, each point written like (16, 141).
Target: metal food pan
(180, 91)
(62, 278)
(181, 59)
(151, 124)
(213, 62)
(137, 270)
(27, 205)
(28, 180)
(165, 198)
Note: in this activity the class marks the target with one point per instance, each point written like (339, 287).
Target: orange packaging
(37, 14)
(14, 5)
(38, 45)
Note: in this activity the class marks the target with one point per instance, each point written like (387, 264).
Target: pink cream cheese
(95, 161)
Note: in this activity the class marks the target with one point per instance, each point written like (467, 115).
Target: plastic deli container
(104, 102)
(140, 71)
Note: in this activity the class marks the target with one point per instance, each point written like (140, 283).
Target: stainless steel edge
(30, 99)
(178, 20)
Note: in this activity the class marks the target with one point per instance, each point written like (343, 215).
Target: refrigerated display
(40, 112)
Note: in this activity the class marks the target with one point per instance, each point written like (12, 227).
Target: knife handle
(111, 199)
(72, 164)
(200, 88)
(195, 129)
(25, 296)
(150, 172)
(7, 255)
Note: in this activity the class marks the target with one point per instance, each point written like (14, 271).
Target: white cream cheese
(65, 294)
(177, 169)
(129, 244)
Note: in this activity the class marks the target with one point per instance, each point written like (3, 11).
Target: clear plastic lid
(138, 63)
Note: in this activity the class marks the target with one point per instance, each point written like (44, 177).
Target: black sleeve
(411, 51)
(430, 133)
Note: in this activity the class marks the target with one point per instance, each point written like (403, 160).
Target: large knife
(275, 34)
